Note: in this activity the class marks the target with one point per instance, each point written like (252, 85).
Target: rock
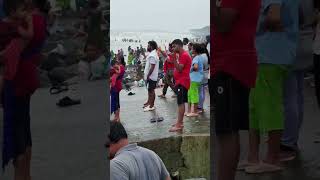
(52, 61)
(61, 74)
(60, 49)
(71, 60)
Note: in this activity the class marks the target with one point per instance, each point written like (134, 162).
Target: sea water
(162, 38)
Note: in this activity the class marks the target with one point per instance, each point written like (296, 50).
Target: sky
(162, 15)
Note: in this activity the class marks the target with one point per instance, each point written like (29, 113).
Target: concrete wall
(186, 155)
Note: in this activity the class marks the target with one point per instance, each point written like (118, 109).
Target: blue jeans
(294, 108)
(202, 95)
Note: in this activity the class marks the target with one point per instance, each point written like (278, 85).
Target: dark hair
(43, 5)
(123, 62)
(191, 44)
(117, 132)
(177, 42)
(153, 45)
(94, 3)
(185, 40)
(197, 48)
(205, 50)
(10, 6)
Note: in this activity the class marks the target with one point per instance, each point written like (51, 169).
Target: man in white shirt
(151, 75)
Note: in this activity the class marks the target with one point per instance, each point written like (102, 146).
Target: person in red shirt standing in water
(182, 78)
(233, 73)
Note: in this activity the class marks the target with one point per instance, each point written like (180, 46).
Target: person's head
(152, 45)
(14, 8)
(204, 50)
(177, 45)
(122, 61)
(197, 49)
(43, 5)
(185, 41)
(94, 4)
(190, 45)
(117, 138)
(170, 47)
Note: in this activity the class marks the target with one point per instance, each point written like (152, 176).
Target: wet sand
(138, 123)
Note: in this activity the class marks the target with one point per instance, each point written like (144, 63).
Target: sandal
(66, 101)
(156, 119)
(263, 168)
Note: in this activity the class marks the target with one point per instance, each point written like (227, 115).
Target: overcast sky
(164, 15)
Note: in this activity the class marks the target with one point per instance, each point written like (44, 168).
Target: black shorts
(22, 129)
(182, 94)
(230, 102)
(151, 85)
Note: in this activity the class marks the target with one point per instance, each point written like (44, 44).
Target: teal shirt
(197, 76)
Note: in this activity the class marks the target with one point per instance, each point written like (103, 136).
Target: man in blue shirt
(276, 43)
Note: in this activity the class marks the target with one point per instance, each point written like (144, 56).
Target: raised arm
(27, 33)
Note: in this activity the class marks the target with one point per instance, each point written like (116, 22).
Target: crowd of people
(255, 80)
(258, 65)
(185, 66)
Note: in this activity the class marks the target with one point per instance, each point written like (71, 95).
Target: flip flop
(153, 120)
(66, 101)
(131, 94)
(160, 119)
(263, 168)
(175, 129)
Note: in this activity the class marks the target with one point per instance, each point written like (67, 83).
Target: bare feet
(176, 127)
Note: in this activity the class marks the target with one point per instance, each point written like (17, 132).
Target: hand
(28, 18)
(218, 3)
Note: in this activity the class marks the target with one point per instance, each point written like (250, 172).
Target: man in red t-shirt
(168, 69)
(182, 80)
(233, 73)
